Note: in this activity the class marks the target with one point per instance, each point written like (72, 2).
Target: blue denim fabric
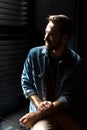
(33, 76)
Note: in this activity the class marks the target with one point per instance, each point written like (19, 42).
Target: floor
(11, 121)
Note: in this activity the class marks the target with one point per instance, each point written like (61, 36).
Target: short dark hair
(66, 26)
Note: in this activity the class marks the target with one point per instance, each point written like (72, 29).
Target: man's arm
(43, 105)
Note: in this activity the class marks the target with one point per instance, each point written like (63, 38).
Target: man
(49, 79)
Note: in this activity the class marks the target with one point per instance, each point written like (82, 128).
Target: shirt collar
(61, 58)
(45, 51)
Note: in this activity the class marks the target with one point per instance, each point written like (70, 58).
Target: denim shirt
(33, 75)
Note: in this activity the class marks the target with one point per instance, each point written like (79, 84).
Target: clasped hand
(45, 106)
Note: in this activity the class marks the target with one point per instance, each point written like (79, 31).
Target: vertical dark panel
(82, 49)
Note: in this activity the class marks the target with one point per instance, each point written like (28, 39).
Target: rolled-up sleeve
(70, 88)
(27, 79)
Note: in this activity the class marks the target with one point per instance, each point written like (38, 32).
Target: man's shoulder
(36, 49)
(75, 56)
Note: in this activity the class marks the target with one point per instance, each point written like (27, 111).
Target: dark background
(22, 25)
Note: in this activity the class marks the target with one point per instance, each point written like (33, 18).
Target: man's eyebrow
(51, 32)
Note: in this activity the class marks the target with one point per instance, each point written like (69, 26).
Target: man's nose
(46, 37)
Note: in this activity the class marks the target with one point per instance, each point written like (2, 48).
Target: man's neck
(57, 52)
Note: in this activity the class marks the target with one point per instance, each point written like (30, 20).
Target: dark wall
(83, 31)
(13, 50)
(82, 48)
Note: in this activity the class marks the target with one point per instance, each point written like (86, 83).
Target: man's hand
(45, 106)
(29, 119)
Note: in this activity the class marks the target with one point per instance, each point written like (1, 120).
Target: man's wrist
(40, 115)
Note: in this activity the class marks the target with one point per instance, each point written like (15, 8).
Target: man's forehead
(51, 27)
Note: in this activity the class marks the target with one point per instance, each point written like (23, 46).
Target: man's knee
(41, 125)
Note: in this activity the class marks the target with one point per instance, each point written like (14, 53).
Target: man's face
(53, 38)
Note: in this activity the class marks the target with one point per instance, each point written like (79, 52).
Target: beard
(53, 46)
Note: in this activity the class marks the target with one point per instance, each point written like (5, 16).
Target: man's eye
(51, 37)
(52, 34)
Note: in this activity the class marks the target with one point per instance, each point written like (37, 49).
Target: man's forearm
(36, 100)
(57, 106)
(50, 108)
